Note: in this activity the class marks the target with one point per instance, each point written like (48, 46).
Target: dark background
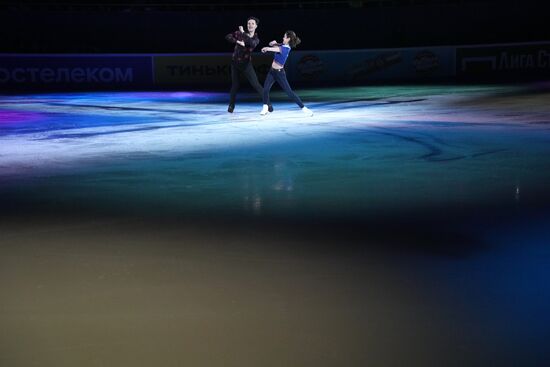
(170, 26)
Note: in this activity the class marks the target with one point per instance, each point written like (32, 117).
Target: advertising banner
(504, 61)
(28, 71)
(209, 69)
(355, 66)
(496, 62)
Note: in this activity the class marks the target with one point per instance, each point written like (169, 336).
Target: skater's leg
(234, 87)
(267, 88)
(283, 82)
(253, 79)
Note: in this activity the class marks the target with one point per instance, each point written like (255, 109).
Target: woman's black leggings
(279, 76)
(249, 73)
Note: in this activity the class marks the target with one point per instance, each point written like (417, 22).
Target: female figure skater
(245, 42)
(277, 72)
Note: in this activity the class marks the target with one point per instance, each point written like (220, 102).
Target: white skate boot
(307, 111)
(265, 110)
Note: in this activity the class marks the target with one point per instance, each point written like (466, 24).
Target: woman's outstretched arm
(271, 49)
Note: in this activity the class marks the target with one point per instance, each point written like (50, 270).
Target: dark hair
(254, 19)
(294, 40)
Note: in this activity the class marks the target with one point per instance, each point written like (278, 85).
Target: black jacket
(243, 54)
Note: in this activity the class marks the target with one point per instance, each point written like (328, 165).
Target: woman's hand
(264, 49)
(273, 43)
(240, 43)
(241, 29)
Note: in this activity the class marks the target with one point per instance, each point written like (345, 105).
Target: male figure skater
(241, 63)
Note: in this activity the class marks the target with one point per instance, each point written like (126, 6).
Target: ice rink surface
(398, 226)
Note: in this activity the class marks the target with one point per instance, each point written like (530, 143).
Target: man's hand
(241, 29)
(240, 43)
(273, 43)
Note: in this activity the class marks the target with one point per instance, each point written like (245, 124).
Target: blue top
(282, 55)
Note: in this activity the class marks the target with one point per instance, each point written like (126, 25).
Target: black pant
(248, 71)
(279, 76)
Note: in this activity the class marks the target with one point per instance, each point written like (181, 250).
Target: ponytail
(294, 40)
